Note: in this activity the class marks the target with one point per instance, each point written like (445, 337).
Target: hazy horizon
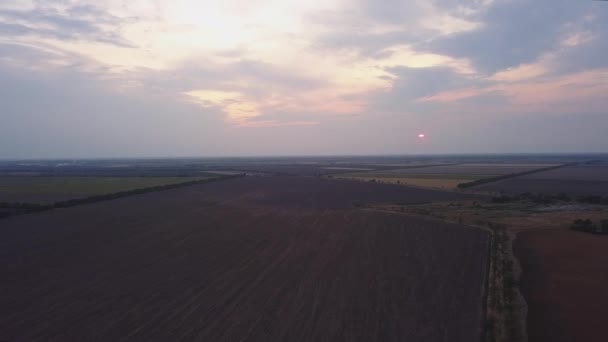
(325, 156)
(268, 78)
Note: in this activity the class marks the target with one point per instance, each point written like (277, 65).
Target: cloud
(372, 28)
(416, 91)
(253, 77)
(243, 89)
(584, 43)
(75, 112)
(64, 22)
(277, 77)
(513, 32)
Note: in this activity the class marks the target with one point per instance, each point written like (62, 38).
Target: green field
(50, 189)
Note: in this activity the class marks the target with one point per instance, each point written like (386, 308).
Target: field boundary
(511, 175)
(19, 208)
(504, 309)
(490, 271)
(486, 289)
(330, 174)
(340, 178)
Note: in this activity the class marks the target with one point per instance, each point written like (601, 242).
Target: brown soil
(564, 282)
(563, 272)
(250, 259)
(575, 180)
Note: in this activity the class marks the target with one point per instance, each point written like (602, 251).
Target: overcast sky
(112, 78)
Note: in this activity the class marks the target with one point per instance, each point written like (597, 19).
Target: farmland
(582, 179)
(442, 176)
(246, 259)
(474, 170)
(52, 189)
(564, 282)
(304, 249)
(563, 276)
(429, 181)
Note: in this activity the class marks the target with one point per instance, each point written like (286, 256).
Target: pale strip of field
(509, 165)
(426, 182)
(407, 164)
(224, 172)
(390, 174)
(462, 170)
(348, 168)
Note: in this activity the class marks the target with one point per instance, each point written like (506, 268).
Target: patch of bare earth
(248, 259)
(560, 272)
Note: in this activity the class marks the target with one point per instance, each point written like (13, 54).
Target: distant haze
(112, 78)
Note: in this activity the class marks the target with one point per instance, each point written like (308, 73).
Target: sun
(421, 136)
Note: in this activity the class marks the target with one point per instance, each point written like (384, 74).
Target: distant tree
(588, 226)
(604, 226)
(501, 199)
(593, 199)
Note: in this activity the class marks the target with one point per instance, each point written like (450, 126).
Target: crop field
(52, 189)
(442, 176)
(246, 259)
(564, 282)
(338, 168)
(300, 169)
(478, 170)
(574, 180)
(564, 271)
(320, 168)
(427, 181)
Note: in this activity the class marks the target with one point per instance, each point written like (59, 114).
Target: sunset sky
(267, 77)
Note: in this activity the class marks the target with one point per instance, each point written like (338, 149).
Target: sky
(159, 78)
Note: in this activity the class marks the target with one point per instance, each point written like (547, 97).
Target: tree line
(589, 226)
(10, 208)
(503, 177)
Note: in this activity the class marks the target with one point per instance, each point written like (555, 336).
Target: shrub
(590, 227)
(591, 199)
(604, 226)
(502, 199)
(583, 225)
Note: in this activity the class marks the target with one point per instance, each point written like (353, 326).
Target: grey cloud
(422, 82)
(22, 52)
(77, 109)
(372, 45)
(13, 29)
(261, 79)
(350, 29)
(513, 33)
(20, 55)
(74, 23)
(69, 113)
(411, 84)
(270, 75)
(390, 11)
(589, 54)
